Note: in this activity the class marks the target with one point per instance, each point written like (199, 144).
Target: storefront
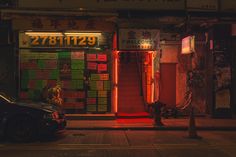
(87, 67)
(138, 69)
(79, 62)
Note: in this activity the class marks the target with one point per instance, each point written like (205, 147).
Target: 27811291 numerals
(64, 41)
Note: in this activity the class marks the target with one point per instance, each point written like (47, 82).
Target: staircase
(130, 102)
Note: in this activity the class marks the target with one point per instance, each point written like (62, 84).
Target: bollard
(157, 106)
(192, 131)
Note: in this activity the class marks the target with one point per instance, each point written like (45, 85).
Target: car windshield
(6, 98)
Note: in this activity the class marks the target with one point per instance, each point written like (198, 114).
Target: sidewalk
(202, 123)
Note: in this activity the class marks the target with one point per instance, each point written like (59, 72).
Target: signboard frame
(188, 45)
(59, 39)
(138, 39)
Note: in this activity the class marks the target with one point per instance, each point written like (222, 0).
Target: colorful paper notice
(95, 77)
(91, 108)
(91, 57)
(102, 93)
(47, 64)
(77, 74)
(79, 105)
(64, 55)
(68, 105)
(107, 85)
(38, 55)
(28, 74)
(28, 55)
(92, 94)
(40, 84)
(79, 84)
(93, 85)
(54, 74)
(41, 64)
(66, 84)
(102, 67)
(52, 83)
(47, 56)
(29, 64)
(32, 74)
(77, 55)
(102, 100)
(77, 64)
(102, 57)
(74, 94)
(99, 85)
(91, 101)
(91, 66)
(104, 77)
(32, 84)
(74, 84)
(42, 74)
(73, 105)
(102, 108)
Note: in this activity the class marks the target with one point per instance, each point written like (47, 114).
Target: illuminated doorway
(135, 82)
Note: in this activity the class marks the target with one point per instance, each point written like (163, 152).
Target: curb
(176, 128)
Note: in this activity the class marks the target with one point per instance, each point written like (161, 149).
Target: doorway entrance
(130, 97)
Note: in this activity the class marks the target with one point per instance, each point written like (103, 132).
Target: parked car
(24, 121)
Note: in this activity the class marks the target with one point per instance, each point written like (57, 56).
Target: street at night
(126, 143)
(117, 78)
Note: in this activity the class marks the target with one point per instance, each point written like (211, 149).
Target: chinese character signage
(138, 39)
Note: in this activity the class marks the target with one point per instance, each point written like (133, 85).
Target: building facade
(120, 56)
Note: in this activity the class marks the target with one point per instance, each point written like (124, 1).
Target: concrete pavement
(126, 143)
(202, 123)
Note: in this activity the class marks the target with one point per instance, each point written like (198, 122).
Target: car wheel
(21, 129)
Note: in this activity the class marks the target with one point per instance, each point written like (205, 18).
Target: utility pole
(192, 130)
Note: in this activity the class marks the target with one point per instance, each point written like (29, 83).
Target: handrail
(139, 72)
(187, 100)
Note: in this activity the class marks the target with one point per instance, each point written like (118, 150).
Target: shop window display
(83, 75)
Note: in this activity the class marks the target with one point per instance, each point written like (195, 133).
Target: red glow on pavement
(135, 120)
(139, 117)
(137, 114)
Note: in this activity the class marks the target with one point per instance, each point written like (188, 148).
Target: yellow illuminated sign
(81, 41)
(57, 39)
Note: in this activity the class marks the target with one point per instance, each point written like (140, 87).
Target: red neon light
(116, 81)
